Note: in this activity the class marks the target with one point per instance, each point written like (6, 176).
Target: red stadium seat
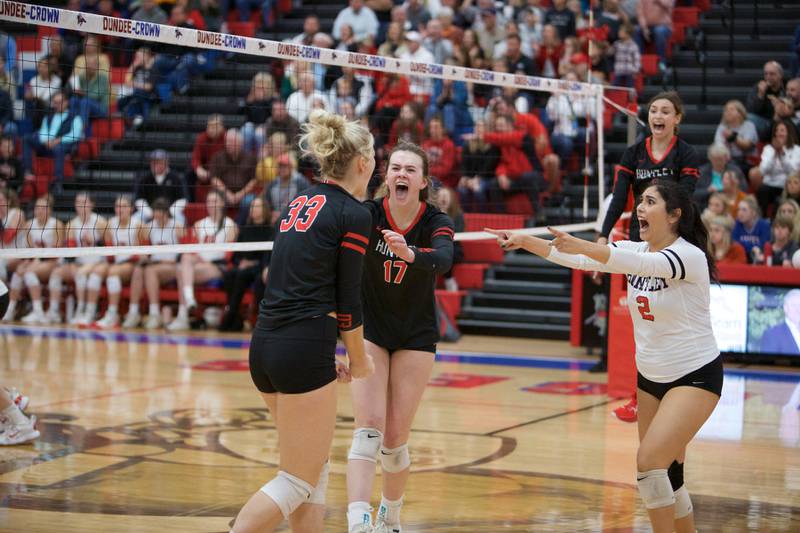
(486, 251)
(649, 64)
(194, 211)
(450, 303)
(28, 43)
(118, 75)
(687, 16)
(471, 275)
(245, 29)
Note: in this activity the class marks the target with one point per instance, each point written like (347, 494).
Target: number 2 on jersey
(644, 308)
(312, 206)
(401, 267)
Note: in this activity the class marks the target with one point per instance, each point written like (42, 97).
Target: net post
(601, 174)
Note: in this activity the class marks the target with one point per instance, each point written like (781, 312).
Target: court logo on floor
(456, 380)
(569, 388)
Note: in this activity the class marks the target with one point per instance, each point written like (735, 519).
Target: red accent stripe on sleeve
(356, 237)
(626, 169)
(443, 231)
(357, 248)
(345, 320)
(424, 249)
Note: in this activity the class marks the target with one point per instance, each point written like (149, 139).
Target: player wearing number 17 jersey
(410, 243)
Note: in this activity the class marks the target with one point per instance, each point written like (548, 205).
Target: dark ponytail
(690, 225)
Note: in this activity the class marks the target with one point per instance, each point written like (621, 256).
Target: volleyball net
(141, 143)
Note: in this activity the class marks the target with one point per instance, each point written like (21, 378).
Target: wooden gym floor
(166, 433)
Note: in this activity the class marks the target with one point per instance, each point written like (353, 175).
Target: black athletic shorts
(295, 358)
(408, 346)
(708, 377)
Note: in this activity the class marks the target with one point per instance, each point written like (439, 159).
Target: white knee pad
(366, 444)
(95, 282)
(80, 282)
(55, 283)
(683, 503)
(318, 494)
(655, 488)
(31, 280)
(16, 283)
(288, 492)
(395, 459)
(114, 284)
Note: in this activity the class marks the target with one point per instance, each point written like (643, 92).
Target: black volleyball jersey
(399, 299)
(638, 168)
(317, 259)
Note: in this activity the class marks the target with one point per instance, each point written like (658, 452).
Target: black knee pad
(675, 473)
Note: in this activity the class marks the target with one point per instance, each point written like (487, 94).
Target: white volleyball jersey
(165, 235)
(45, 236)
(126, 236)
(668, 297)
(207, 231)
(86, 234)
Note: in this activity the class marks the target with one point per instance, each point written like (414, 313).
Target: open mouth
(643, 224)
(401, 190)
(658, 128)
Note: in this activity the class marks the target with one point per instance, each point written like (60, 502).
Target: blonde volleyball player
(159, 269)
(680, 369)
(313, 290)
(204, 266)
(410, 244)
(43, 231)
(84, 230)
(121, 231)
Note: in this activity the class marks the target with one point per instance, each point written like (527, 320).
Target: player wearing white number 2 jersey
(680, 369)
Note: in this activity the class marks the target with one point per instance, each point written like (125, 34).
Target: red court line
(108, 395)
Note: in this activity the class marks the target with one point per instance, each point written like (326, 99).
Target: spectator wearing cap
(420, 86)
(206, 145)
(490, 32)
(233, 173)
(436, 44)
(359, 17)
(560, 16)
(59, 135)
(160, 181)
(285, 187)
(655, 25)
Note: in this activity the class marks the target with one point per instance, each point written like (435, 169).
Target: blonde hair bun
(333, 141)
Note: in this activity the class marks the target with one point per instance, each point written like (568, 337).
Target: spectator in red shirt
(544, 159)
(441, 153)
(550, 52)
(515, 173)
(208, 143)
(393, 91)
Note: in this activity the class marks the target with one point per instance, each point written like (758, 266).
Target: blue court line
(558, 363)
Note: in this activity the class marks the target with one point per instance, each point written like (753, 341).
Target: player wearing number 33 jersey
(399, 299)
(327, 226)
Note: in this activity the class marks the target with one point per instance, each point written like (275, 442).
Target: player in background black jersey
(410, 244)
(662, 155)
(314, 284)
